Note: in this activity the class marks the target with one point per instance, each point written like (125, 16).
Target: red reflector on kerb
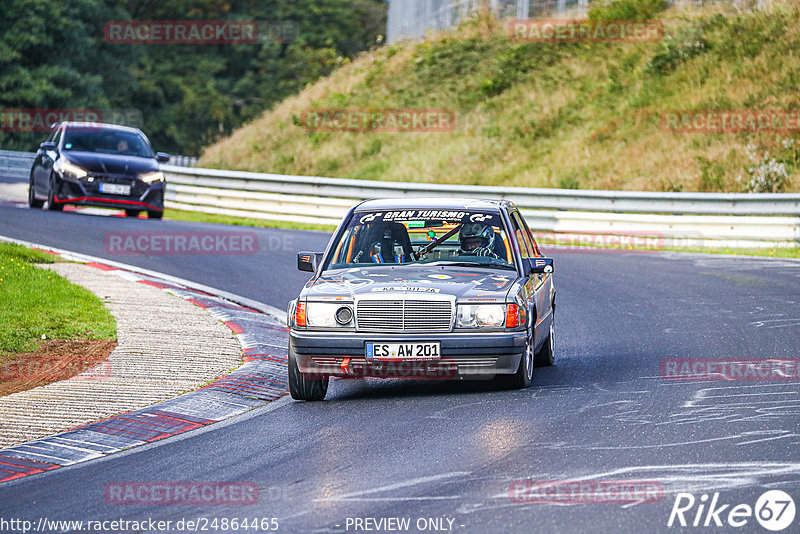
(300, 314)
(512, 316)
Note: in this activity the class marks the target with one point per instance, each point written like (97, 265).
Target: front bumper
(143, 196)
(463, 355)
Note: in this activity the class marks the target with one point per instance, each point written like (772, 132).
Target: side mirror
(539, 265)
(48, 145)
(161, 157)
(308, 261)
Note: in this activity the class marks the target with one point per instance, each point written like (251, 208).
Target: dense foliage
(53, 56)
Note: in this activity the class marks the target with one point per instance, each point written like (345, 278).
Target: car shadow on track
(355, 389)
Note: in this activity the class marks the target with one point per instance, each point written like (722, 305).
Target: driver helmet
(475, 236)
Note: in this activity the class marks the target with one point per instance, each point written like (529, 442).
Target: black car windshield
(431, 236)
(107, 141)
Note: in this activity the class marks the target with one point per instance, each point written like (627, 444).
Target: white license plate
(403, 351)
(115, 189)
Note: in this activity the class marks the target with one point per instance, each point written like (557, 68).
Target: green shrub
(675, 49)
(625, 9)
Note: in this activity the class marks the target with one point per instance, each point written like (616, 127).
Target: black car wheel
(52, 205)
(157, 214)
(546, 355)
(524, 376)
(302, 387)
(32, 202)
(131, 213)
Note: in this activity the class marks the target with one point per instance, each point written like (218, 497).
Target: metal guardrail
(15, 164)
(524, 197)
(182, 161)
(684, 219)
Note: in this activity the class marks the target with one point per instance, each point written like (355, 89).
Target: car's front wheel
(32, 202)
(131, 213)
(524, 376)
(52, 205)
(152, 214)
(303, 387)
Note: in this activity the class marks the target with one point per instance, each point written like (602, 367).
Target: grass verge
(36, 302)
(194, 216)
(775, 252)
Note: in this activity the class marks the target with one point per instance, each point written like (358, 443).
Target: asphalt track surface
(431, 449)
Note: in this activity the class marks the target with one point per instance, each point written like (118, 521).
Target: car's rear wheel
(303, 387)
(32, 202)
(546, 355)
(131, 213)
(52, 205)
(524, 376)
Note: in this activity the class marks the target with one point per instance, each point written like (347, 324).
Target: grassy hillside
(576, 115)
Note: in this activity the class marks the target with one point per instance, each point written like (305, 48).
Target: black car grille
(110, 179)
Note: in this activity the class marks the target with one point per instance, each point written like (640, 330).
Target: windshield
(117, 142)
(473, 238)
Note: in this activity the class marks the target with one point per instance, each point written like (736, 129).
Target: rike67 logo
(774, 510)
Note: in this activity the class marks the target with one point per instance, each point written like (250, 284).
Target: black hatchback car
(423, 288)
(101, 165)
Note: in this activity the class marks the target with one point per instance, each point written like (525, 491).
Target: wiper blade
(473, 264)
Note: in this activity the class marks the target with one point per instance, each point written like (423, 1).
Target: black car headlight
(150, 177)
(70, 170)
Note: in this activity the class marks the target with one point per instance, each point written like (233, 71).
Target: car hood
(111, 164)
(477, 285)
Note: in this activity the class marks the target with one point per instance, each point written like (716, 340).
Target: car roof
(102, 125)
(409, 203)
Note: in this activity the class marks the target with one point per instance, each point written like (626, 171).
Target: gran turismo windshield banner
(410, 217)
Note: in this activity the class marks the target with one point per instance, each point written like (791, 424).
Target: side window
(534, 246)
(522, 237)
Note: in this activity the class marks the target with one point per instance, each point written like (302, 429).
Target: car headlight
(328, 315)
(480, 315)
(156, 176)
(65, 167)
